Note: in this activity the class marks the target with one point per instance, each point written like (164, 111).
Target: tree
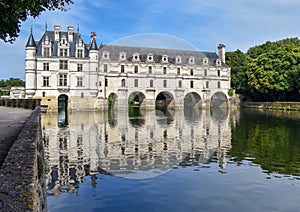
(13, 12)
(256, 51)
(238, 61)
(12, 82)
(275, 75)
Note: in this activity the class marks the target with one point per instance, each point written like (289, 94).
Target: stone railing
(21, 174)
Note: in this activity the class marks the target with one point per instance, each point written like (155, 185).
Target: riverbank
(21, 173)
(288, 106)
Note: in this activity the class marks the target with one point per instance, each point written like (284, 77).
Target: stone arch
(136, 99)
(112, 100)
(192, 99)
(164, 99)
(219, 99)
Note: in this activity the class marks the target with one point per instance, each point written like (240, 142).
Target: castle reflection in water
(138, 144)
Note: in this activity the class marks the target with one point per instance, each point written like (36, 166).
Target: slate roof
(93, 45)
(115, 50)
(157, 53)
(31, 42)
(54, 44)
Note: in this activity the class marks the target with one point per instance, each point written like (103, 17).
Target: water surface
(194, 160)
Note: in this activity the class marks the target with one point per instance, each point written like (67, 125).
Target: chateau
(62, 67)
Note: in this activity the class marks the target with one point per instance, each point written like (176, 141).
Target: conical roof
(31, 42)
(93, 45)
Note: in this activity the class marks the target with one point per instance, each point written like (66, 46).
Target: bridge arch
(219, 99)
(164, 99)
(192, 99)
(112, 100)
(136, 99)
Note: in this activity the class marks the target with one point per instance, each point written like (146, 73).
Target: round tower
(30, 67)
(93, 69)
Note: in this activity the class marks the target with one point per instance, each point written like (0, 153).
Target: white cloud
(238, 24)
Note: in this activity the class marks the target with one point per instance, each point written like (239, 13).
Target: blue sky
(200, 24)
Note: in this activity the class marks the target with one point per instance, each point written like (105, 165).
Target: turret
(30, 67)
(93, 51)
(221, 51)
(93, 55)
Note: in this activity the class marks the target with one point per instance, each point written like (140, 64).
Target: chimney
(56, 32)
(221, 51)
(70, 34)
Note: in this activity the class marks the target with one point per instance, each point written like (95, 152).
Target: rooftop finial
(46, 27)
(31, 30)
(77, 28)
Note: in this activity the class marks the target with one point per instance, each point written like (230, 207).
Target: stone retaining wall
(295, 106)
(21, 175)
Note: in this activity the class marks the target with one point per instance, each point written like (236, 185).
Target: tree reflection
(269, 141)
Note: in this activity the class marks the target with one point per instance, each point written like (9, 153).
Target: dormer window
(164, 59)
(46, 41)
(80, 53)
(218, 62)
(105, 55)
(191, 60)
(64, 41)
(46, 51)
(178, 59)
(205, 61)
(80, 42)
(122, 56)
(136, 56)
(150, 57)
(63, 52)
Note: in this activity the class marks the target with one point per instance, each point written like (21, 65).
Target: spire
(31, 42)
(93, 44)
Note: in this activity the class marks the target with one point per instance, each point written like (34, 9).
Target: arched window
(164, 70)
(191, 72)
(151, 83)
(218, 72)
(123, 83)
(180, 84)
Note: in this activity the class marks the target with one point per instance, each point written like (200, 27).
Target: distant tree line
(267, 72)
(11, 82)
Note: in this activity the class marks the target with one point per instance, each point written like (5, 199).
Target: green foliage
(267, 72)
(256, 51)
(230, 92)
(238, 61)
(12, 82)
(275, 75)
(13, 12)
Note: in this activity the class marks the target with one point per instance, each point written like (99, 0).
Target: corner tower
(30, 67)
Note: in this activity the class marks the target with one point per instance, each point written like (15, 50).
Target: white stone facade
(62, 64)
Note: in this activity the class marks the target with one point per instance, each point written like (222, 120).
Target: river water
(191, 160)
